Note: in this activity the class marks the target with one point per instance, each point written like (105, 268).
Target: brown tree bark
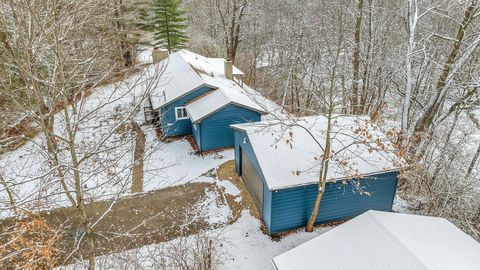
(354, 100)
(232, 25)
(322, 180)
(137, 170)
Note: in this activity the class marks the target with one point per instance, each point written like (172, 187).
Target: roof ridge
(190, 65)
(201, 96)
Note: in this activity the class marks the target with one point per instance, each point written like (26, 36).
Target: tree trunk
(322, 180)
(441, 164)
(137, 170)
(356, 60)
(412, 17)
(316, 208)
(80, 203)
(365, 93)
(323, 170)
(11, 198)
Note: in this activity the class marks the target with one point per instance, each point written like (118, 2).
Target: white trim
(181, 108)
(261, 112)
(187, 93)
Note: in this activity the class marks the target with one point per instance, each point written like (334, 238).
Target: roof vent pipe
(228, 69)
(159, 55)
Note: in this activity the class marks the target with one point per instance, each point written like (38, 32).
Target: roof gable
(176, 80)
(227, 93)
(184, 72)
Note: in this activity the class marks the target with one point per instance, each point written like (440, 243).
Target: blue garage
(213, 114)
(213, 132)
(279, 164)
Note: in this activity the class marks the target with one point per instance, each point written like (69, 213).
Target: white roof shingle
(382, 240)
(177, 79)
(210, 66)
(185, 71)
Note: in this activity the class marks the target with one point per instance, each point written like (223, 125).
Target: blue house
(279, 163)
(201, 96)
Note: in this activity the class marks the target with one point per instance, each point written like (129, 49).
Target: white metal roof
(289, 152)
(382, 240)
(185, 71)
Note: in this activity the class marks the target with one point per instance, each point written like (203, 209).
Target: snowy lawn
(242, 245)
(176, 163)
(108, 174)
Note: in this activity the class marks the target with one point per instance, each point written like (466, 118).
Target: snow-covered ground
(244, 245)
(35, 186)
(145, 56)
(240, 246)
(108, 172)
(175, 163)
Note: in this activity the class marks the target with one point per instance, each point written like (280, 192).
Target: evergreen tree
(169, 25)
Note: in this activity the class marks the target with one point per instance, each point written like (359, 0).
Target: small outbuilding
(279, 162)
(381, 240)
(201, 96)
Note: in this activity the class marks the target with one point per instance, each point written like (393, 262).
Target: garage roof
(289, 152)
(381, 240)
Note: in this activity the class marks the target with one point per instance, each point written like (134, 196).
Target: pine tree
(169, 25)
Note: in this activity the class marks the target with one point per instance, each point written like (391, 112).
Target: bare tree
(453, 63)
(60, 53)
(231, 14)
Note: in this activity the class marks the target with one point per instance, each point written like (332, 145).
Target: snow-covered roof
(177, 79)
(207, 65)
(289, 152)
(228, 92)
(185, 71)
(381, 240)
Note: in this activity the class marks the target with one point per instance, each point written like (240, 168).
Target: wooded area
(412, 66)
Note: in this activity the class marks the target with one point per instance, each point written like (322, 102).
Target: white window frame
(183, 110)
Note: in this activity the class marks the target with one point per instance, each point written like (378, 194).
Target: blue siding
(267, 207)
(291, 208)
(196, 133)
(216, 131)
(240, 138)
(172, 127)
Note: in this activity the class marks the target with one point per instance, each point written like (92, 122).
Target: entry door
(252, 181)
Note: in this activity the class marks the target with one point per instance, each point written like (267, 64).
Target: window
(181, 113)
